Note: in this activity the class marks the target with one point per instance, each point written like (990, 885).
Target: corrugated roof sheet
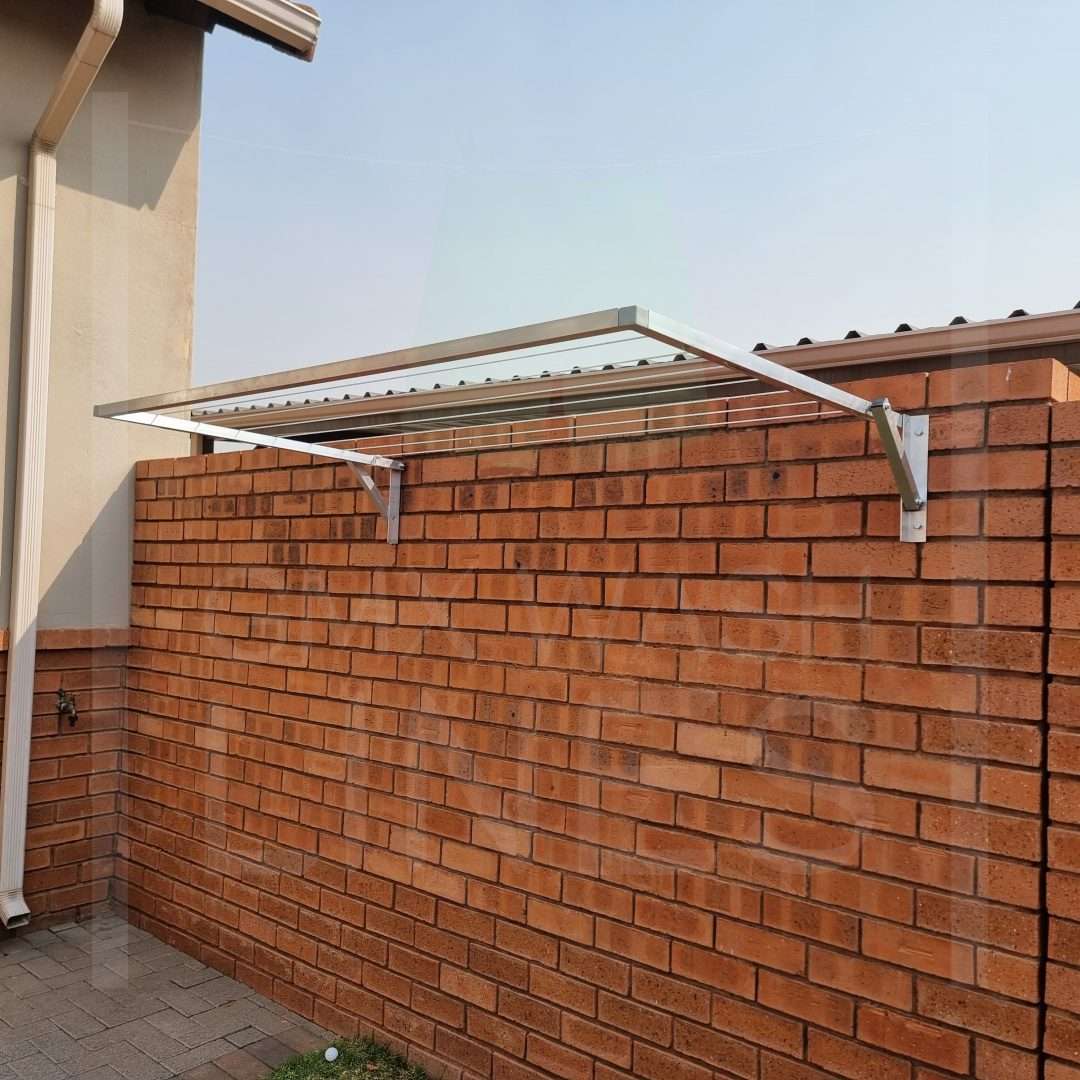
(259, 412)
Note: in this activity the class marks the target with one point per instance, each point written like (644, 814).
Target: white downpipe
(79, 75)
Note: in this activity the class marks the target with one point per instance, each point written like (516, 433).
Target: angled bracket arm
(390, 506)
(905, 439)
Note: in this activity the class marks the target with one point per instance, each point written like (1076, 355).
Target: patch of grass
(358, 1059)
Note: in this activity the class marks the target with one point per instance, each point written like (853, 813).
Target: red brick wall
(72, 813)
(659, 756)
(1063, 883)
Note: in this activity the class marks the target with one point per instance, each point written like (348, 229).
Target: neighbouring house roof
(656, 380)
(289, 26)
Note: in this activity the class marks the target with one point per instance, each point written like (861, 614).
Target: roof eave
(290, 26)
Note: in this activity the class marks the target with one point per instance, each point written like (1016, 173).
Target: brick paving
(101, 1000)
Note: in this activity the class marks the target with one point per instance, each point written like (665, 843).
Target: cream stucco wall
(123, 293)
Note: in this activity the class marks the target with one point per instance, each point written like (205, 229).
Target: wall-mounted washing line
(904, 437)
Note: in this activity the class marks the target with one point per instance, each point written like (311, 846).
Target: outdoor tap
(65, 706)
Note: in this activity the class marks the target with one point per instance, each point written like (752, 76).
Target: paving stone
(267, 1017)
(24, 984)
(140, 1034)
(102, 1000)
(221, 990)
(61, 951)
(69, 978)
(101, 978)
(241, 1065)
(199, 1055)
(184, 1001)
(206, 1072)
(169, 1021)
(270, 1051)
(38, 1067)
(302, 1040)
(243, 1038)
(315, 1029)
(78, 1023)
(17, 1049)
(133, 1064)
(194, 976)
(56, 1044)
(44, 967)
(127, 966)
(81, 963)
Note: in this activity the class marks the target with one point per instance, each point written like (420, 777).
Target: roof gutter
(291, 26)
(25, 571)
(1015, 332)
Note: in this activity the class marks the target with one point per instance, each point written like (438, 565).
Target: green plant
(358, 1059)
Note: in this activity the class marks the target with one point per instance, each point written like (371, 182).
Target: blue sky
(761, 170)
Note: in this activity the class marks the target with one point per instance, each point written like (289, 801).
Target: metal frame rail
(904, 437)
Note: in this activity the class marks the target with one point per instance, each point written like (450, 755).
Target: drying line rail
(905, 438)
(446, 440)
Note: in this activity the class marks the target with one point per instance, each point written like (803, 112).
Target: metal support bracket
(359, 462)
(390, 505)
(906, 441)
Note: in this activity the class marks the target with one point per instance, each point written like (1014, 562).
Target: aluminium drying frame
(905, 437)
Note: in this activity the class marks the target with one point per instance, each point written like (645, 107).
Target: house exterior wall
(124, 280)
(655, 756)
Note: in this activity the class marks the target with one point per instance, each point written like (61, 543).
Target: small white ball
(331, 1053)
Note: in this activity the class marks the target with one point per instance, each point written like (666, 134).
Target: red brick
(1000, 560)
(715, 1049)
(1014, 381)
(928, 953)
(693, 487)
(817, 520)
(1010, 470)
(821, 1007)
(941, 777)
(643, 523)
(735, 447)
(915, 862)
(905, 1035)
(723, 522)
(837, 438)
(870, 559)
(862, 978)
(646, 455)
(785, 558)
(722, 595)
(854, 1060)
(951, 692)
(770, 482)
(815, 839)
(865, 809)
(982, 831)
(924, 603)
